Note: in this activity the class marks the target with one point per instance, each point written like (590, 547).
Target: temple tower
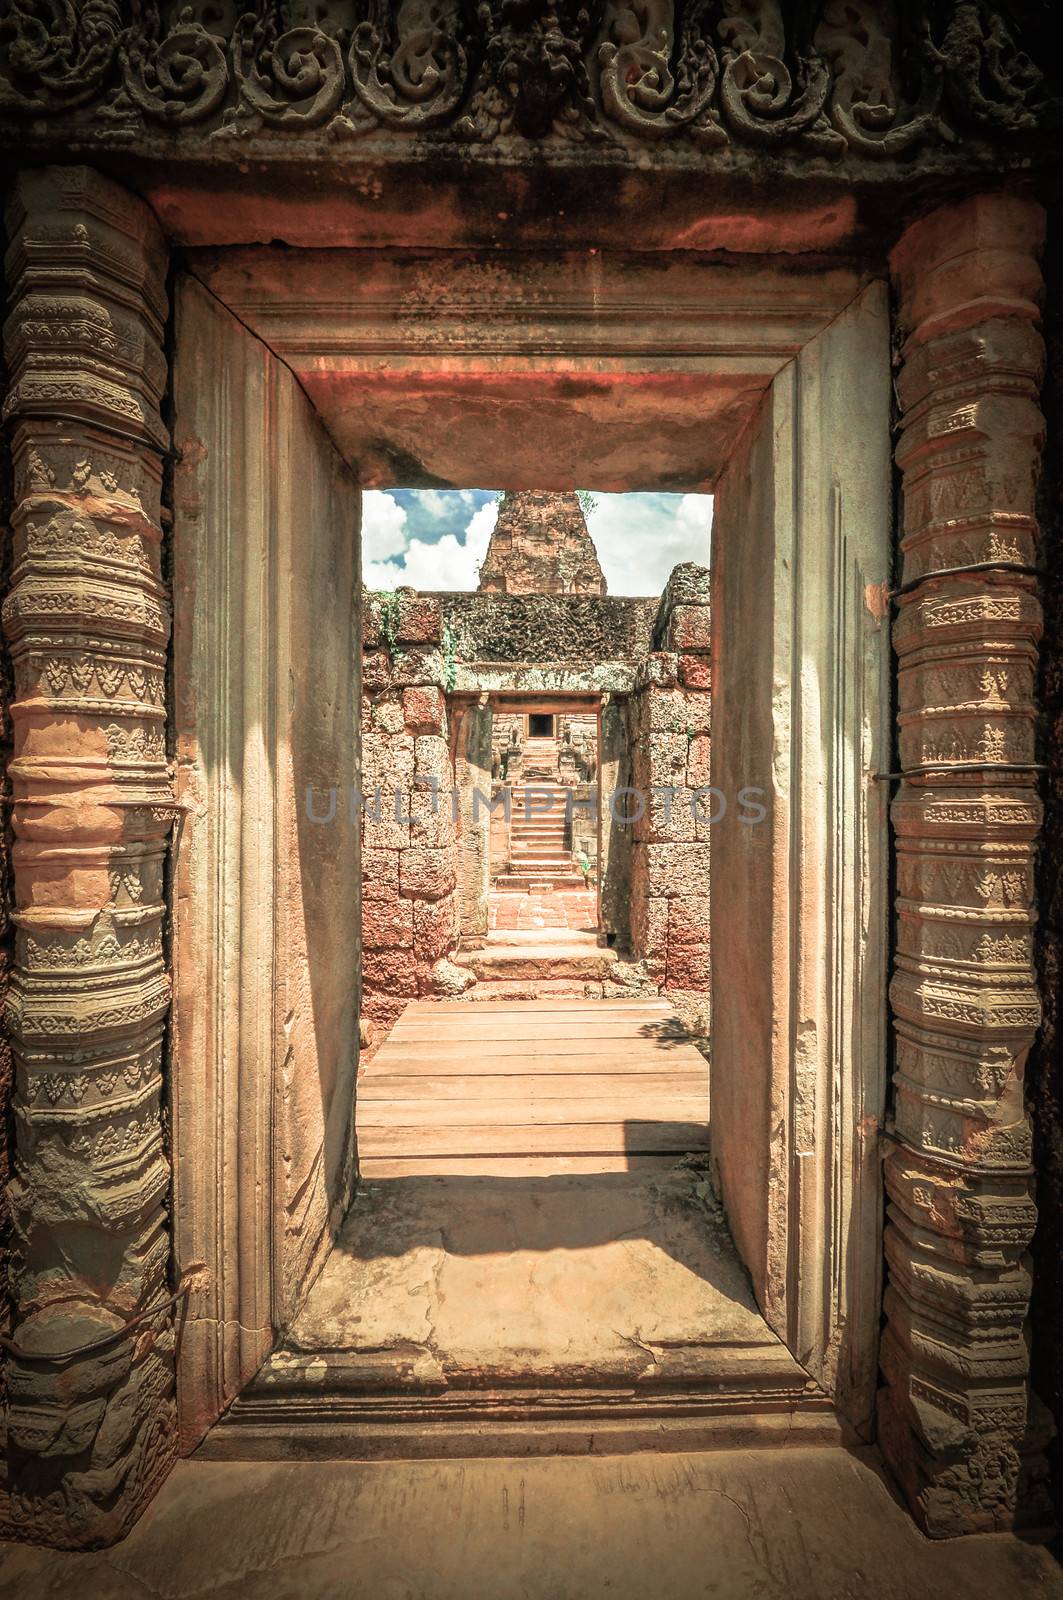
(540, 545)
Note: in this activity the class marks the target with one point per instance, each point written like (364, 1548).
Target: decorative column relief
(90, 1427)
(954, 1413)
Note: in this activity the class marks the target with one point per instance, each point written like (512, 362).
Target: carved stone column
(90, 1429)
(954, 1414)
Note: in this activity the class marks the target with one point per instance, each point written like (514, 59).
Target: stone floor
(559, 908)
(611, 1278)
(738, 1525)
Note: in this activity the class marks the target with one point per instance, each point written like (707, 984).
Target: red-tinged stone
(418, 618)
(432, 817)
(382, 1008)
(676, 711)
(380, 874)
(688, 921)
(675, 870)
(432, 760)
(386, 715)
(689, 966)
(699, 774)
(426, 874)
(695, 670)
(424, 709)
(387, 924)
(969, 261)
(376, 671)
(690, 628)
(435, 926)
(391, 971)
(669, 817)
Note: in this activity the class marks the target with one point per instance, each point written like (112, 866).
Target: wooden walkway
(515, 1087)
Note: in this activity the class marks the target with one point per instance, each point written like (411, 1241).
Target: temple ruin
(344, 1078)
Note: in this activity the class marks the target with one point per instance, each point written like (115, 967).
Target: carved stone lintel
(954, 1412)
(87, 619)
(871, 80)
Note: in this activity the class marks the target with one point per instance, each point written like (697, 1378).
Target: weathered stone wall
(668, 721)
(543, 628)
(410, 852)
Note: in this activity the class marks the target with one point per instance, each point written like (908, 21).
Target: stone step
(551, 885)
(542, 860)
(543, 871)
(526, 936)
(537, 961)
(533, 989)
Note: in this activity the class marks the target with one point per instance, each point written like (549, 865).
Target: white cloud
(641, 537)
(451, 562)
(383, 527)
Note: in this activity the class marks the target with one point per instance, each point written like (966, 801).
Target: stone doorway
(804, 1209)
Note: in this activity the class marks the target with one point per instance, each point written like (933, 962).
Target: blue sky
(436, 538)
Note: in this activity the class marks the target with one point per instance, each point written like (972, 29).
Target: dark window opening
(540, 725)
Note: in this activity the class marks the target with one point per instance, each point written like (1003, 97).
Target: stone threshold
(555, 1314)
(311, 1420)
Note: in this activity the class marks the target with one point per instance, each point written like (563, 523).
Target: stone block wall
(410, 843)
(668, 730)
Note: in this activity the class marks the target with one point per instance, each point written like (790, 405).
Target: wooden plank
(632, 1085)
(568, 1008)
(514, 1113)
(488, 1166)
(569, 1139)
(544, 1033)
(563, 1005)
(509, 1055)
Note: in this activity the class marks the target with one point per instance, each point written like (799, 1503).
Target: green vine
(449, 641)
(389, 614)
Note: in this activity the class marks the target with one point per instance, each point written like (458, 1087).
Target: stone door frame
(761, 346)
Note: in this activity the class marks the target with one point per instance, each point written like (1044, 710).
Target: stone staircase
(537, 963)
(539, 859)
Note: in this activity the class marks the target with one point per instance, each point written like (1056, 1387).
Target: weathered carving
(871, 60)
(639, 88)
(173, 75)
(290, 78)
(954, 1412)
(872, 80)
(59, 53)
(410, 73)
(761, 98)
(534, 78)
(90, 1430)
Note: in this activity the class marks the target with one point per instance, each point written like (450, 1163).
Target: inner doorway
(545, 844)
